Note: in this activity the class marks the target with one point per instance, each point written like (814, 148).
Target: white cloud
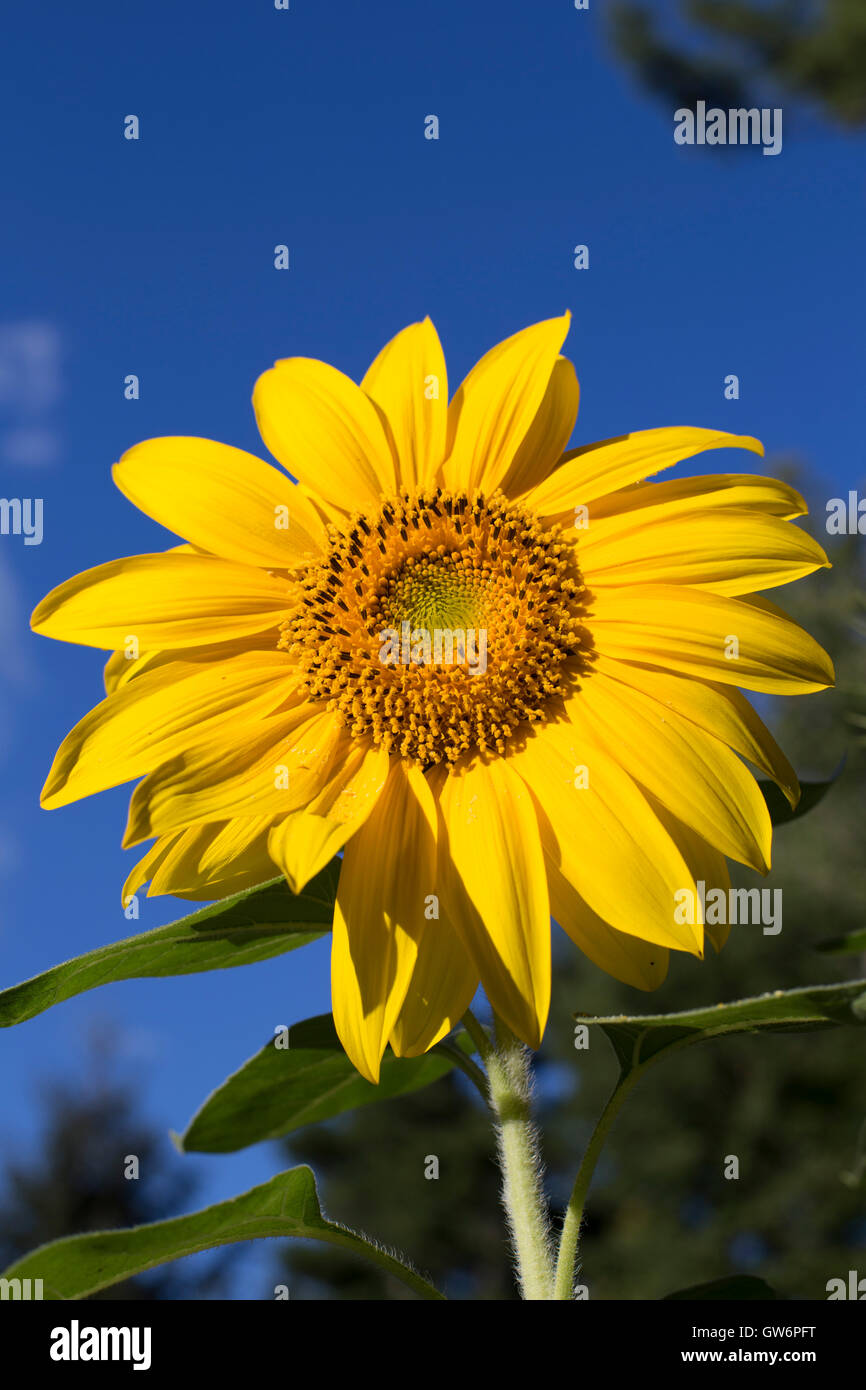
(30, 446)
(30, 374)
(31, 388)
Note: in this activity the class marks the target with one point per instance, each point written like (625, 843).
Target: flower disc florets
(442, 625)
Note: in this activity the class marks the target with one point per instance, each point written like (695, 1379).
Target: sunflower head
(398, 645)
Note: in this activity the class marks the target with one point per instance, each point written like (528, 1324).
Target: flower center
(435, 592)
(442, 626)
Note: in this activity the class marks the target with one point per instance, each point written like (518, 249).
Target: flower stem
(510, 1086)
(478, 1034)
(568, 1241)
(466, 1065)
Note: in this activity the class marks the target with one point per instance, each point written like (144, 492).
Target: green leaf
(637, 1039)
(288, 1205)
(250, 926)
(810, 794)
(849, 945)
(282, 1088)
(736, 1286)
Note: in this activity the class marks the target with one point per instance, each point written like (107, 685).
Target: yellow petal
(170, 600)
(147, 866)
(304, 842)
(121, 668)
(611, 464)
(263, 767)
(627, 958)
(444, 980)
(494, 408)
(208, 862)
(494, 844)
(642, 504)
(689, 771)
(389, 867)
(155, 717)
(735, 553)
(223, 500)
(729, 640)
(549, 433)
(599, 829)
(409, 382)
(234, 846)
(322, 427)
(443, 985)
(707, 866)
(721, 710)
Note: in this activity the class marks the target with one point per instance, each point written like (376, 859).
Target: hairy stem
(509, 1076)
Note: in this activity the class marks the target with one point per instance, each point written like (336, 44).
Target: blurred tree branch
(736, 53)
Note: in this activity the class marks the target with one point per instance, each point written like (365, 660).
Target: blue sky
(155, 257)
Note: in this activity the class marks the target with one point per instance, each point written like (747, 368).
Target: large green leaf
(810, 794)
(637, 1039)
(288, 1205)
(735, 1286)
(282, 1088)
(250, 926)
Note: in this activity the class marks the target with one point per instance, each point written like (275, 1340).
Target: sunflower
(304, 676)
